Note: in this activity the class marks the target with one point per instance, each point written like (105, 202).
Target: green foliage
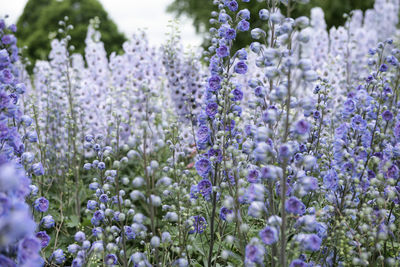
(40, 20)
(200, 11)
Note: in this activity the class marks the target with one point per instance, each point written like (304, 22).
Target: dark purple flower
(41, 204)
(295, 206)
(224, 212)
(214, 83)
(230, 34)
(129, 233)
(233, 5)
(253, 176)
(203, 167)
(358, 123)
(237, 94)
(211, 109)
(44, 238)
(222, 51)
(215, 153)
(269, 235)
(241, 67)
(383, 68)
(199, 224)
(103, 198)
(204, 187)
(387, 115)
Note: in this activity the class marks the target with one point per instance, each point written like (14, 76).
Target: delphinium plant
(18, 244)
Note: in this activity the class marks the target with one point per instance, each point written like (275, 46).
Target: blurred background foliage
(199, 11)
(40, 18)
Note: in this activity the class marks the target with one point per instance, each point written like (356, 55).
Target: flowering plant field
(284, 153)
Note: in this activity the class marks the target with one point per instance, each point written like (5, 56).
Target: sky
(129, 15)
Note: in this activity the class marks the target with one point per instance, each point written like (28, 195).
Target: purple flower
(41, 204)
(193, 192)
(199, 224)
(253, 176)
(80, 236)
(383, 68)
(103, 198)
(295, 206)
(129, 233)
(111, 259)
(215, 153)
(358, 123)
(349, 106)
(211, 109)
(224, 212)
(233, 5)
(204, 187)
(241, 67)
(392, 172)
(214, 83)
(230, 34)
(269, 235)
(243, 25)
(302, 127)
(91, 205)
(38, 169)
(311, 242)
(387, 115)
(4, 58)
(330, 180)
(98, 215)
(237, 94)
(8, 39)
(255, 253)
(203, 167)
(58, 256)
(298, 263)
(6, 76)
(73, 248)
(28, 250)
(44, 238)
(222, 51)
(285, 151)
(47, 221)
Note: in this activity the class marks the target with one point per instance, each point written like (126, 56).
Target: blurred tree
(40, 19)
(200, 11)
